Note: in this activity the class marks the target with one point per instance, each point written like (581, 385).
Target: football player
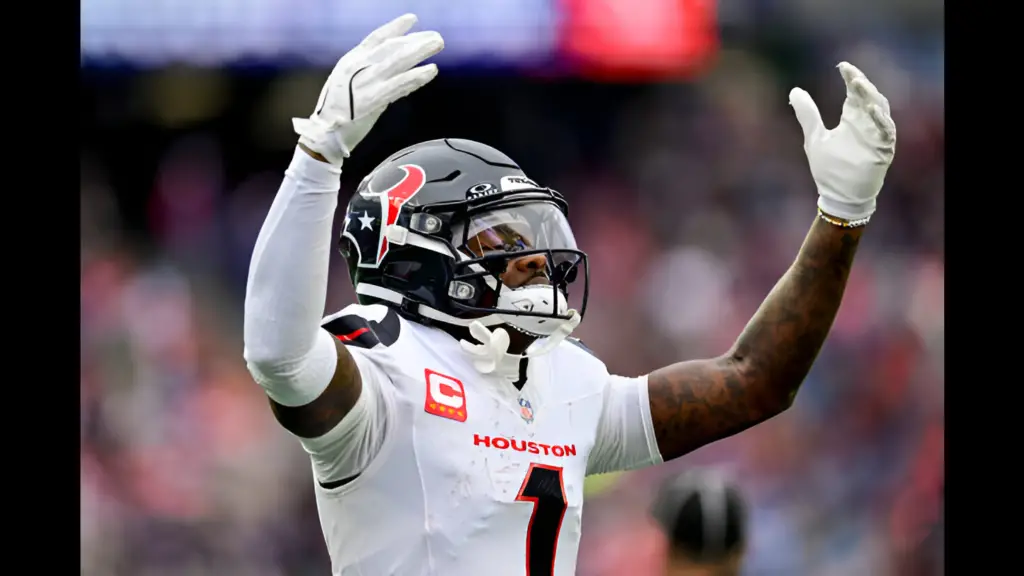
(704, 519)
(449, 416)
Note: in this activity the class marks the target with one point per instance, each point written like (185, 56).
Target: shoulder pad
(579, 344)
(364, 326)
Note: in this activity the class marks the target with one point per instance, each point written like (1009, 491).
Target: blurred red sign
(638, 39)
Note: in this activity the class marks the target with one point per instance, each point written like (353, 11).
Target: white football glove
(849, 162)
(369, 77)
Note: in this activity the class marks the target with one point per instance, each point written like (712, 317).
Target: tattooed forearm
(695, 403)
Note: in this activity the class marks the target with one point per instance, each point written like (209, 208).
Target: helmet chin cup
(537, 298)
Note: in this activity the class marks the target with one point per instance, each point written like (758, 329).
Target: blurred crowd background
(666, 124)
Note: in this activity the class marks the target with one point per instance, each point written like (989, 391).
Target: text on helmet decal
(512, 183)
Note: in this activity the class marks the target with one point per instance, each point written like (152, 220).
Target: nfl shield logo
(525, 410)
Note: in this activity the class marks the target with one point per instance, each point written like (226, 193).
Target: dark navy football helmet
(432, 229)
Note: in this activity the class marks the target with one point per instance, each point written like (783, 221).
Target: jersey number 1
(543, 487)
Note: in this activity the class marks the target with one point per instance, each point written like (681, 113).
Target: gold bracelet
(843, 223)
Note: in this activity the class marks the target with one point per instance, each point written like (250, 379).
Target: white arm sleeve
(625, 434)
(285, 349)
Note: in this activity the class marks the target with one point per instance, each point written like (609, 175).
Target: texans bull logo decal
(391, 202)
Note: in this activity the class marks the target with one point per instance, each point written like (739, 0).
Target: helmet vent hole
(447, 178)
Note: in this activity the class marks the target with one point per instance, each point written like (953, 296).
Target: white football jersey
(440, 470)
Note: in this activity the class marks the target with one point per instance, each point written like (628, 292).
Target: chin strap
(491, 355)
(545, 345)
(389, 295)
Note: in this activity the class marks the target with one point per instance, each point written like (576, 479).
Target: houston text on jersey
(499, 443)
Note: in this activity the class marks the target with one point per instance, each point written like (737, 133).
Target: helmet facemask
(517, 262)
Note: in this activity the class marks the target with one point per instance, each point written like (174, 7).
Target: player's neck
(518, 342)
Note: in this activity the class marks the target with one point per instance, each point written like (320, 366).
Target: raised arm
(698, 402)
(312, 379)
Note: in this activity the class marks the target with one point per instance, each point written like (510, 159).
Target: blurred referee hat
(703, 515)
